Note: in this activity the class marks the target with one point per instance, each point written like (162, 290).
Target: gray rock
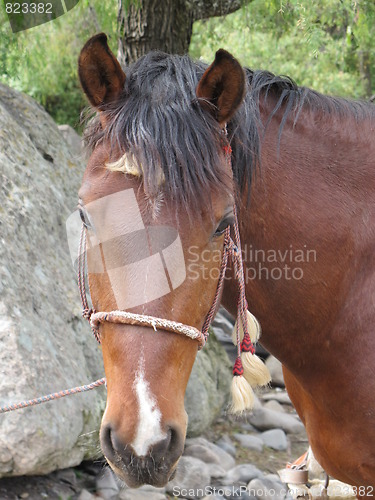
(275, 439)
(106, 484)
(45, 344)
(250, 442)
(239, 492)
(280, 396)
(245, 426)
(224, 323)
(274, 405)
(275, 479)
(242, 473)
(86, 495)
(73, 140)
(226, 444)
(143, 493)
(205, 454)
(208, 387)
(276, 371)
(223, 458)
(191, 479)
(216, 471)
(264, 419)
(265, 488)
(67, 476)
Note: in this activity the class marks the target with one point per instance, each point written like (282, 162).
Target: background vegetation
(325, 44)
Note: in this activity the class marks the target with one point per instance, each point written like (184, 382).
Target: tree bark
(165, 25)
(365, 70)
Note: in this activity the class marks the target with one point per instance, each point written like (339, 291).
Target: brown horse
(307, 227)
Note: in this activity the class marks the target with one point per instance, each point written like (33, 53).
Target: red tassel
(238, 368)
(247, 345)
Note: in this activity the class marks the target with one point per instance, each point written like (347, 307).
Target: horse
(302, 182)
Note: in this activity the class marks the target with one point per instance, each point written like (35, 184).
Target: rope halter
(248, 371)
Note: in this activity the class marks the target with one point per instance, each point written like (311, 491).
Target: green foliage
(42, 61)
(326, 44)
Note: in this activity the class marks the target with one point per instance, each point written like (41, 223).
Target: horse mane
(164, 135)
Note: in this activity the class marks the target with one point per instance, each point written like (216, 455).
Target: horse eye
(227, 221)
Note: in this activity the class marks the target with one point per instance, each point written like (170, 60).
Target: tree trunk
(165, 25)
(365, 71)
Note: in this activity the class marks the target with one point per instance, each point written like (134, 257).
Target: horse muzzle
(155, 468)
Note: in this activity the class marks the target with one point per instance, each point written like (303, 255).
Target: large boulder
(209, 386)
(45, 344)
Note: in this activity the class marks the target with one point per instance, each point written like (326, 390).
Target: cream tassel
(255, 371)
(242, 393)
(253, 327)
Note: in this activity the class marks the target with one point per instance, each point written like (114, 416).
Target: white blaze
(149, 429)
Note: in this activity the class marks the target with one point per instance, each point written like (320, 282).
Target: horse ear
(222, 86)
(100, 73)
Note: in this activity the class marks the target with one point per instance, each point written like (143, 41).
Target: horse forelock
(157, 131)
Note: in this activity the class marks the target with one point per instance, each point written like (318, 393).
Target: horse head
(156, 198)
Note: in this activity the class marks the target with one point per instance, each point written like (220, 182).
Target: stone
(223, 458)
(191, 479)
(282, 397)
(86, 495)
(265, 488)
(205, 454)
(274, 405)
(226, 444)
(106, 484)
(250, 442)
(67, 476)
(225, 322)
(275, 368)
(46, 346)
(265, 419)
(238, 492)
(72, 139)
(242, 473)
(216, 471)
(208, 388)
(143, 493)
(275, 439)
(245, 426)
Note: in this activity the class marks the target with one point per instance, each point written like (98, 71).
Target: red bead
(247, 345)
(238, 368)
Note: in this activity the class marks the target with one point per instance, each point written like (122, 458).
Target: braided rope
(86, 311)
(52, 397)
(128, 318)
(224, 261)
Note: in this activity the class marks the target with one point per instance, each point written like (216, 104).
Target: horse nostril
(107, 443)
(172, 444)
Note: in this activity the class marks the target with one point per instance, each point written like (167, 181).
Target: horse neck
(306, 212)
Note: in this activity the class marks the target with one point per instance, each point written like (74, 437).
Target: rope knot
(87, 313)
